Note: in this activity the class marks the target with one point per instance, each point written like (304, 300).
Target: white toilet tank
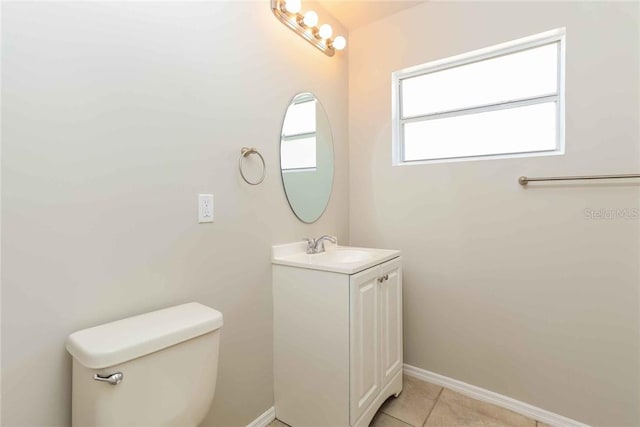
(168, 361)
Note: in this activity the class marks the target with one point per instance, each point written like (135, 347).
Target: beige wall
(512, 289)
(116, 115)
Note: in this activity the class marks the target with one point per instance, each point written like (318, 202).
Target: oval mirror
(306, 157)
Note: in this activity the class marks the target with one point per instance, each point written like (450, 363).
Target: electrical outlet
(205, 208)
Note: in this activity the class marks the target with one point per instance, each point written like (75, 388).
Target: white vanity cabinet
(375, 333)
(337, 340)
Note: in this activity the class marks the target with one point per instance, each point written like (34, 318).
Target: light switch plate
(205, 208)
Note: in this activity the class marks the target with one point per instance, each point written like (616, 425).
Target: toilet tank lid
(123, 340)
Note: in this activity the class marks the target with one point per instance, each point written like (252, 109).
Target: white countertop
(337, 259)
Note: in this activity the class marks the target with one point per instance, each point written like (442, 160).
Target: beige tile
(384, 420)
(454, 409)
(277, 423)
(541, 424)
(414, 403)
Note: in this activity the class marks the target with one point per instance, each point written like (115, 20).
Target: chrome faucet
(316, 246)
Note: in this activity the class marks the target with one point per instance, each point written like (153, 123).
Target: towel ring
(246, 152)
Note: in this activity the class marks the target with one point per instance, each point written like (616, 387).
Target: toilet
(155, 369)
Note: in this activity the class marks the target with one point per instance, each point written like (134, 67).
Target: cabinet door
(365, 382)
(391, 319)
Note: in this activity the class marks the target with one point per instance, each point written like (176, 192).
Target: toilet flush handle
(113, 379)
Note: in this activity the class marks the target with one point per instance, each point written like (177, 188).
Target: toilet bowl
(155, 369)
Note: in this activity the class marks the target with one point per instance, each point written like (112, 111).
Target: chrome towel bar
(523, 180)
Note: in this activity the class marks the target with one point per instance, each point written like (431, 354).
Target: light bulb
(339, 43)
(293, 6)
(325, 31)
(310, 19)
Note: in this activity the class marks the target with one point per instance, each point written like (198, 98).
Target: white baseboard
(494, 398)
(264, 419)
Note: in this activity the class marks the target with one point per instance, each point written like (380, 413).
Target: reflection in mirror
(306, 157)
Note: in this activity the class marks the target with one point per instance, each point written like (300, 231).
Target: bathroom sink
(345, 255)
(338, 259)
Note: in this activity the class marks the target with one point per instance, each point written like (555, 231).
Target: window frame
(519, 45)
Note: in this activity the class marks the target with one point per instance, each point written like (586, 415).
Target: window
(298, 151)
(503, 101)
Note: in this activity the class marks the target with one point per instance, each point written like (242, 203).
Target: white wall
(116, 115)
(512, 289)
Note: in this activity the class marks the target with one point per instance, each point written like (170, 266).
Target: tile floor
(425, 404)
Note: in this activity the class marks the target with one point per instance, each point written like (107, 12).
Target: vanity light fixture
(305, 25)
(310, 19)
(325, 31)
(293, 6)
